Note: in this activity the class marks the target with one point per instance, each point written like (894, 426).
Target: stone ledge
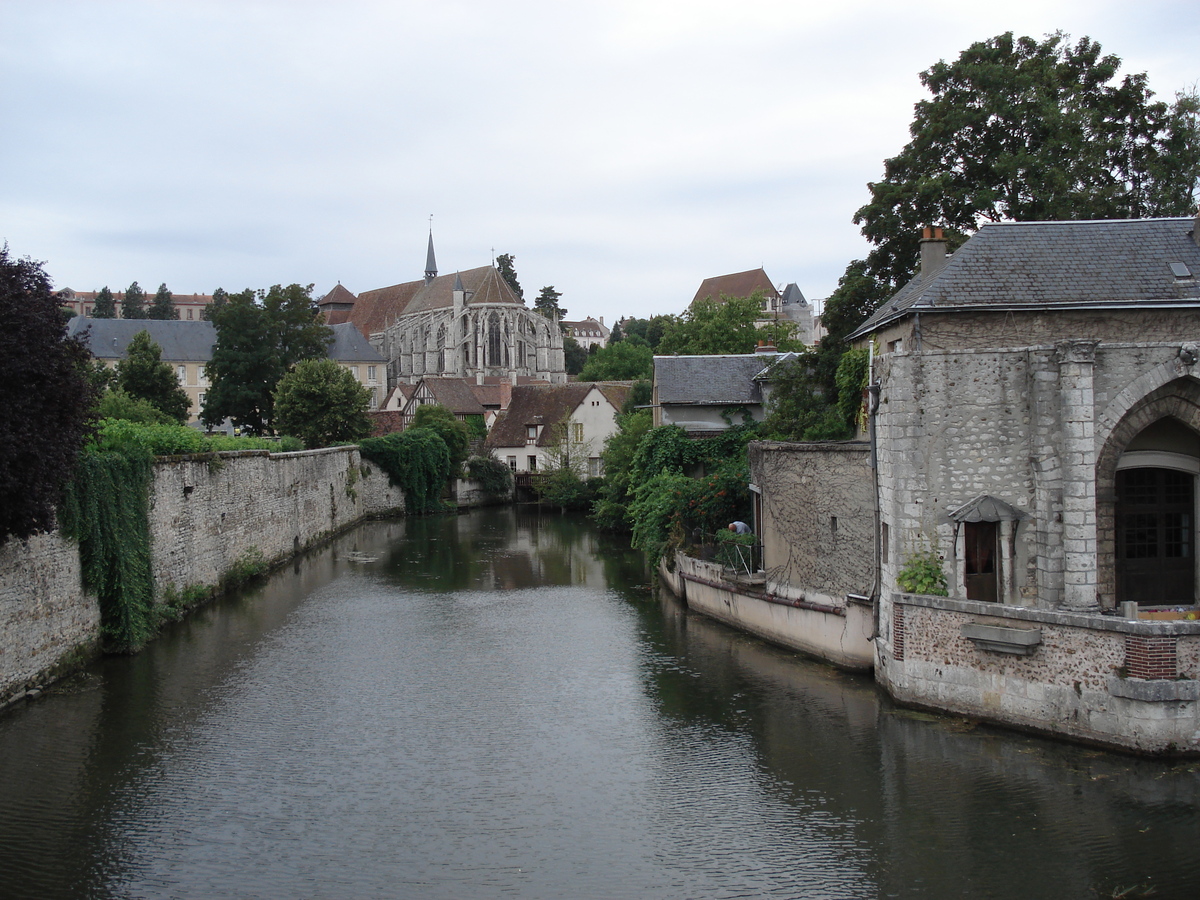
(999, 639)
(1091, 621)
(1153, 691)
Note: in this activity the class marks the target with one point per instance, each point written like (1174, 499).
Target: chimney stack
(933, 252)
(1196, 229)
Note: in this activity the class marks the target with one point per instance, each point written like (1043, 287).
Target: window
(883, 543)
(181, 373)
(354, 371)
(371, 376)
(189, 315)
(531, 434)
(533, 464)
(595, 467)
(512, 463)
(577, 432)
(200, 400)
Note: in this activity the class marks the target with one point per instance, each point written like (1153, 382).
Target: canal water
(502, 705)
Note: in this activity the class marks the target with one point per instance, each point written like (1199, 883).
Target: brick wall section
(203, 518)
(1152, 658)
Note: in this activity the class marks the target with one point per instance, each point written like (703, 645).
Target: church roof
(375, 310)
(739, 284)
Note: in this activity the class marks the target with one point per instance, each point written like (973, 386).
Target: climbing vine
(416, 461)
(106, 510)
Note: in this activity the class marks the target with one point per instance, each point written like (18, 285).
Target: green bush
(493, 476)
(923, 574)
(123, 436)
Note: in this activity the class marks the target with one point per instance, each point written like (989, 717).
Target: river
(501, 704)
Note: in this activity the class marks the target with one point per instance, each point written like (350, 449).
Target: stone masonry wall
(817, 518)
(204, 516)
(1094, 678)
(44, 613)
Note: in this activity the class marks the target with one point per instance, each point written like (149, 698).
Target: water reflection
(497, 704)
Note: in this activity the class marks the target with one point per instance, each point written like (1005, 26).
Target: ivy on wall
(106, 510)
(417, 461)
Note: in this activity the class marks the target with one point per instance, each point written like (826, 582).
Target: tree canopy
(45, 399)
(455, 433)
(321, 403)
(106, 305)
(134, 304)
(219, 298)
(547, 303)
(163, 305)
(1026, 130)
(504, 265)
(575, 357)
(650, 330)
(623, 361)
(143, 375)
(260, 335)
(723, 326)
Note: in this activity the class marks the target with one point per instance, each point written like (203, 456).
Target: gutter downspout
(872, 410)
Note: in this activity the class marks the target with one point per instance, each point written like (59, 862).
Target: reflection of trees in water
(936, 805)
(506, 548)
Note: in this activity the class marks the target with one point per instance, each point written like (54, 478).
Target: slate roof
(180, 340)
(547, 404)
(193, 341)
(1057, 265)
(709, 380)
(739, 284)
(348, 345)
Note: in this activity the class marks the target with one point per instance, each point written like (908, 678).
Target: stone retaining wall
(1079, 679)
(205, 515)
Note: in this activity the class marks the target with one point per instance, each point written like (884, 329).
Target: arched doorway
(1155, 515)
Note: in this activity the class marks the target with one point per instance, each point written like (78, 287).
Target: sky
(621, 151)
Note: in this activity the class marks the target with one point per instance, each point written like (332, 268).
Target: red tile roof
(739, 284)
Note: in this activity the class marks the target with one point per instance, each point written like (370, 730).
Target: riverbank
(211, 520)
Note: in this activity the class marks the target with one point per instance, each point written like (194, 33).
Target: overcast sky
(621, 151)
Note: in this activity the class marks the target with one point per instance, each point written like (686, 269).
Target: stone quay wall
(205, 515)
(1118, 683)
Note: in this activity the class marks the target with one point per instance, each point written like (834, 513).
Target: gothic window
(441, 348)
(493, 345)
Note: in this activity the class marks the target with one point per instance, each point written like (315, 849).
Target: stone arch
(1177, 398)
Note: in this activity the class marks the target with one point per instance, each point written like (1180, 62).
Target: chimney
(505, 395)
(602, 320)
(764, 348)
(1196, 229)
(933, 252)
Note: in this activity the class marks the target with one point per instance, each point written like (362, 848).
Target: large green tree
(1022, 129)
(260, 336)
(219, 298)
(134, 304)
(106, 305)
(624, 361)
(575, 357)
(144, 376)
(723, 326)
(321, 403)
(504, 265)
(547, 303)
(163, 305)
(45, 399)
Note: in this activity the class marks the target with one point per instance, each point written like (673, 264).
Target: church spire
(430, 262)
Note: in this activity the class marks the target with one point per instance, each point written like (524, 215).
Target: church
(467, 325)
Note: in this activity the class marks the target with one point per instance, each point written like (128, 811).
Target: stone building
(1036, 411)
(467, 325)
(789, 306)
